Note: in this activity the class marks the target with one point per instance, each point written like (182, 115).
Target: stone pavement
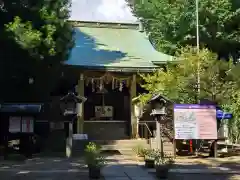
(207, 169)
(121, 168)
(117, 168)
(44, 169)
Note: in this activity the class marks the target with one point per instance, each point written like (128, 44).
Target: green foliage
(219, 82)
(41, 38)
(234, 123)
(93, 156)
(139, 150)
(172, 24)
(178, 81)
(163, 159)
(150, 154)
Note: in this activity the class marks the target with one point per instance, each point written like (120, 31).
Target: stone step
(117, 147)
(122, 145)
(125, 142)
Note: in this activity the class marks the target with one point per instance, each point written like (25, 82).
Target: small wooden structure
(17, 122)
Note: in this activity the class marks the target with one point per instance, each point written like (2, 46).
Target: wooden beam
(133, 94)
(80, 117)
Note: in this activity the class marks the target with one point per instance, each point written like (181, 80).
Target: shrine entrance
(107, 111)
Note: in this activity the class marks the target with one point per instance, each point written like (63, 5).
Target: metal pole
(197, 25)
(198, 62)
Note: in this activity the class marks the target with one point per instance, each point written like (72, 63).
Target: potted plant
(162, 165)
(94, 160)
(149, 158)
(139, 150)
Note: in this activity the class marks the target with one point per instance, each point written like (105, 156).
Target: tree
(219, 83)
(171, 24)
(178, 81)
(36, 38)
(234, 123)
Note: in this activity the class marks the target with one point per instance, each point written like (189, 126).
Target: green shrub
(93, 156)
(139, 150)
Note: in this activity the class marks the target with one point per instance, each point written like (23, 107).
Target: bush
(93, 156)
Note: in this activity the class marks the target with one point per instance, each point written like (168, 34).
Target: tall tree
(171, 24)
(36, 38)
(219, 79)
(219, 83)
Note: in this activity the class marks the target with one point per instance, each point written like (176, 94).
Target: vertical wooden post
(80, 117)
(69, 140)
(133, 93)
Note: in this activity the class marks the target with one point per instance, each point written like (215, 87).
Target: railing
(145, 132)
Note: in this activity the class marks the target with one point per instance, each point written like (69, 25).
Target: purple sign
(193, 106)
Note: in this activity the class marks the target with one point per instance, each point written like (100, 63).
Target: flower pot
(94, 172)
(149, 163)
(162, 171)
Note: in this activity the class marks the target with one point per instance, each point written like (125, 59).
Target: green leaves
(23, 33)
(172, 24)
(178, 82)
(41, 38)
(219, 82)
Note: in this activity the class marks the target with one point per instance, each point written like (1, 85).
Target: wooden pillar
(80, 117)
(133, 93)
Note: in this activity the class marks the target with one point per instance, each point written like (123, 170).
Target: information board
(14, 124)
(193, 121)
(27, 124)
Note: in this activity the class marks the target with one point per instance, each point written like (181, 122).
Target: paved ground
(205, 169)
(44, 169)
(118, 168)
(204, 177)
(121, 168)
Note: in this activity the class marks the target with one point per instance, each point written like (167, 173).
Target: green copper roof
(100, 47)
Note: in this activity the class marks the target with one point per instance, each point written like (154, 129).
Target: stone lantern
(158, 107)
(69, 107)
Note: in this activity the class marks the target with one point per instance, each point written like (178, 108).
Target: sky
(114, 11)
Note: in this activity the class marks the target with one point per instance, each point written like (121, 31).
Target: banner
(14, 124)
(27, 124)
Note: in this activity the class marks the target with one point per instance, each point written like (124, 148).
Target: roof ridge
(104, 25)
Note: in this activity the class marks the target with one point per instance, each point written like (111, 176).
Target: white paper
(27, 124)
(14, 124)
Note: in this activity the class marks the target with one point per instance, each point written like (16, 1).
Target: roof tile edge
(104, 25)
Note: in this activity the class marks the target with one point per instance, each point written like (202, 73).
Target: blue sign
(223, 115)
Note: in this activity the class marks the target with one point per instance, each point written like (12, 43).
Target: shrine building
(111, 49)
